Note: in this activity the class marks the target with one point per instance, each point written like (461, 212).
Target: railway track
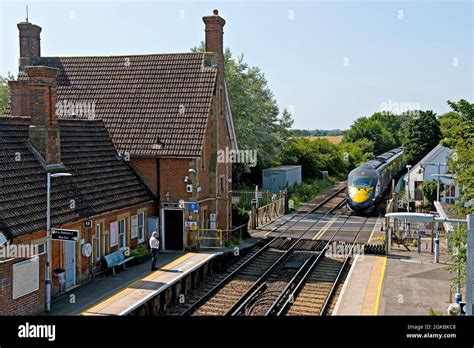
(230, 294)
(312, 291)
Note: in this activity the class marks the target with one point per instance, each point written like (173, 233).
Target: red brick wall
(30, 304)
(146, 168)
(82, 262)
(172, 173)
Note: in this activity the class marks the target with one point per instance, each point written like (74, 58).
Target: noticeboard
(66, 235)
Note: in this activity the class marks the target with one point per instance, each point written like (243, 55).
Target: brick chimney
(214, 28)
(30, 46)
(44, 130)
(19, 98)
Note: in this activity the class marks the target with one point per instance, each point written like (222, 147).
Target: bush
(240, 216)
(140, 251)
(429, 189)
(307, 190)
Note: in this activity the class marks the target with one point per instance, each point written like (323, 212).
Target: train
(367, 183)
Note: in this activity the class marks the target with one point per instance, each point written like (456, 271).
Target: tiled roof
(101, 182)
(143, 100)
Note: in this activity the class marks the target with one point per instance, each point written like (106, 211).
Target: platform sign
(291, 204)
(66, 235)
(193, 206)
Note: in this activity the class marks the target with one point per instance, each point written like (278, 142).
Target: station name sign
(67, 235)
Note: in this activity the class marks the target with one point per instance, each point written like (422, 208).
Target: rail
(218, 286)
(294, 293)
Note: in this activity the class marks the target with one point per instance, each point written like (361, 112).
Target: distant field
(334, 139)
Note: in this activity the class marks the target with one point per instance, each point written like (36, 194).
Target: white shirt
(154, 243)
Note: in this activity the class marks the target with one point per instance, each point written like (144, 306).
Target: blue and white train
(367, 183)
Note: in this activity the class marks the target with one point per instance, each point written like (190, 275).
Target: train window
(362, 181)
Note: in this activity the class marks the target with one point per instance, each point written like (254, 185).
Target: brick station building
(103, 191)
(167, 114)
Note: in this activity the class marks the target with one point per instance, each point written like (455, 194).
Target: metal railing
(244, 198)
(270, 212)
(210, 238)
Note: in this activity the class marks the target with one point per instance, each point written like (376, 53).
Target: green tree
(422, 133)
(314, 156)
(394, 124)
(356, 153)
(430, 190)
(372, 129)
(458, 132)
(4, 92)
(448, 122)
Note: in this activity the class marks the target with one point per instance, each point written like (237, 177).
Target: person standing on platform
(155, 247)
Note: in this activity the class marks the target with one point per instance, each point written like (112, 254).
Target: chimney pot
(30, 46)
(214, 26)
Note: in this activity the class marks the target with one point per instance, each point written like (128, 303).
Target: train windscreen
(362, 178)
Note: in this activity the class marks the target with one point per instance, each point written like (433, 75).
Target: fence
(215, 238)
(210, 239)
(270, 212)
(244, 198)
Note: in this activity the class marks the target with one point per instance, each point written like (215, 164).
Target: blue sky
(327, 61)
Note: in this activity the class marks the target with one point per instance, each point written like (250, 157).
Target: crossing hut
(278, 178)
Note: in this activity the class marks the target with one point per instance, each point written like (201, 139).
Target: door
(418, 192)
(70, 263)
(173, 223)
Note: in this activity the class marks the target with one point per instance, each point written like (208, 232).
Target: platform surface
(402, 283)
(133, 295)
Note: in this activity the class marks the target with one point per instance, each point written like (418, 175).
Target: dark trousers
(154, 254)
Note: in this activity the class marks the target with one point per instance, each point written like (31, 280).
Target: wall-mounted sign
(5, 282)
(171, 205)
(88, 223)
(190, 226)
(61, 234)
(193, 206)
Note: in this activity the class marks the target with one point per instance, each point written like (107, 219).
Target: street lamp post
(408, 187)
(48, 238)
(419, 217)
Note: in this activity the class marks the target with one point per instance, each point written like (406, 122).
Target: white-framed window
(450, 194)
(141, 227)
(98, 244)
(122, 232)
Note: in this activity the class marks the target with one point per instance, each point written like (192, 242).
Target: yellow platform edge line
(128, 285)
(379, 287)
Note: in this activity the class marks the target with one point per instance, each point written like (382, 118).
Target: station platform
(401, 283)
(137, 293)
